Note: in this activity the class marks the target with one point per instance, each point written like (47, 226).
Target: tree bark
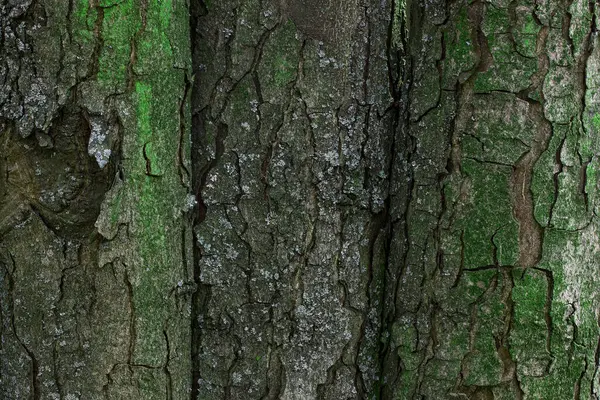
(295, 109)
(272, 199)
(494, 291)
(96, 247)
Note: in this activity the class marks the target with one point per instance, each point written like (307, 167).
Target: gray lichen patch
(99, 145)
(39, 68)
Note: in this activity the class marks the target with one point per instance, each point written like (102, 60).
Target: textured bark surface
(294, 112)
(380, 199)
(496, 294)
(398, 200)
(95, 253)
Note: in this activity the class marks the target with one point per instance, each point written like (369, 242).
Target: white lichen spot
(231, 254)
(333, 157)
(98, 145)
(190, 202)
(227, 32)
(579, 265)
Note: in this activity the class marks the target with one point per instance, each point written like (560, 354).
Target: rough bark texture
(398, 200)
(496, 296)
(294, 113)
(385, 199)
(94, 261)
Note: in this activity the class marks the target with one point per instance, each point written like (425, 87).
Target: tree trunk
(379, 200)
(493, 260)
(295, 109)
(96, 245)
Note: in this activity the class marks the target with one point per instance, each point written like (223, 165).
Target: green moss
(482, 363)
(510, 71)
(473, 285)
(586, 147)
(119, 26)
(460, 55)
(529, 334)
(596, 121)
(92, 17)
(148, 102)
(404, 337)
(496, 20)
(573, 265)
(461, 47)
(153, 45)
(280, 57)
(406, 386)
(108, 3)
(530, 27)
(512, 68)
(81, 9)
(165, 10)
(155, 222)
(570, 210)
(399, 18)
(490, 215)
(141, 77)
(144, 99)
(525, 35)
(83, 21)
(485, 368)
(285, 72)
